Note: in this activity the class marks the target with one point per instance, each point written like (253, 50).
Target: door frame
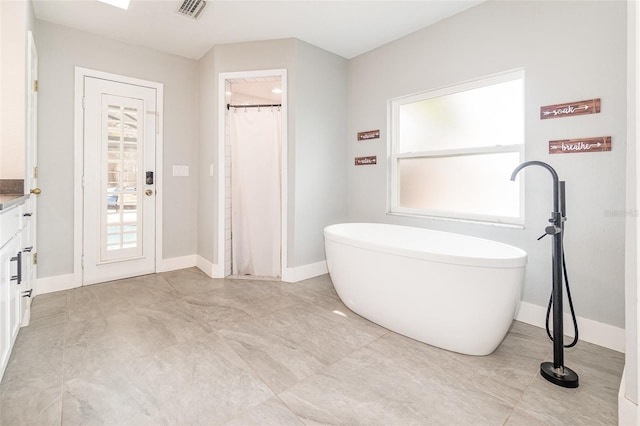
(78, 161)
(218, 270)
(31, 172)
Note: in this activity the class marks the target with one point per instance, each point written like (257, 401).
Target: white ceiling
(345, 27)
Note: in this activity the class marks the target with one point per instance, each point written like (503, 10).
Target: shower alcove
(252, 178)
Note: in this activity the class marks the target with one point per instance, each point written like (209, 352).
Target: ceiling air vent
(192, 8)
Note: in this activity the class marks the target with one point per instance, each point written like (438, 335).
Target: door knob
(36, 191)
(149, 191)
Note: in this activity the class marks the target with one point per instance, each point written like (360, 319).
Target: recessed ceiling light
(276, 90)
(122, 4)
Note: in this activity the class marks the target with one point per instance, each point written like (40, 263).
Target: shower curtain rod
(229, 106)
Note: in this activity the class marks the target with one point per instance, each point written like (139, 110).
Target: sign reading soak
(591, 106)
(569, 146)
(369, 134)
(366, 161)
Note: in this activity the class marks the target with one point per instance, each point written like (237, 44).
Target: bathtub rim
(518, 261)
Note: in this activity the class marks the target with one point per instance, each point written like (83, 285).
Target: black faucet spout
(554, 175)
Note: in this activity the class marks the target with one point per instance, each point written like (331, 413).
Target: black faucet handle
(550, 230)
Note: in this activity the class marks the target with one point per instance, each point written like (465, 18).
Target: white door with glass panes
(118, 180)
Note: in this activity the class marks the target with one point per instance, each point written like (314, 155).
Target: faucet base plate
(563, 376)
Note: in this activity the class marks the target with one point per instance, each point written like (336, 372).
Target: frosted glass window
(451, 184)
(486, 116)
(453, 151)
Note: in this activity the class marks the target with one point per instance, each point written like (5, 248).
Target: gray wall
(316, 139)
(321, 146)
(62, 49)
(494, 37)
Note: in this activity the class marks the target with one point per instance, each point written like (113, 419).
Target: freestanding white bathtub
(453, 291)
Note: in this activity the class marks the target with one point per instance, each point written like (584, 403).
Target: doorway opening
(252, 203)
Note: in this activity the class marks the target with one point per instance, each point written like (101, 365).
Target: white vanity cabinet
(15, 282)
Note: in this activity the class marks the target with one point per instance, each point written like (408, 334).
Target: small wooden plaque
(591, 106)
(369, 134)
(366, 161)
(570, 146)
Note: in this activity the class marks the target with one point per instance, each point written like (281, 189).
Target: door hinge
(35, 172)
(35, 258)
(35, 85)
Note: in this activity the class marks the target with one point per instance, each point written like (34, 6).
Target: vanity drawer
(10, 223)
(25, 213)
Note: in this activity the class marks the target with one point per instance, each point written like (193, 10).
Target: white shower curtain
(255, 194)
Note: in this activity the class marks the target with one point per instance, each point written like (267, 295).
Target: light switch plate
(181, 170)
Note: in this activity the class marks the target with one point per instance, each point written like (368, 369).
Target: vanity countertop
(8, 200)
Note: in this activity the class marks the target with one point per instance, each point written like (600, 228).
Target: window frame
(393, 192)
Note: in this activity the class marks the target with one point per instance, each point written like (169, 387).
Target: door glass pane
(121, 233)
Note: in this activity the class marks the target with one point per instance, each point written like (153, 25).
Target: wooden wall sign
(569, 146)
(366, 161)
(591, 106)
(369, 134)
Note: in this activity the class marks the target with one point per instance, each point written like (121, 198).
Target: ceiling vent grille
(192, 8)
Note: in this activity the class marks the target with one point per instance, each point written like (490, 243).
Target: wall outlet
(181, 170)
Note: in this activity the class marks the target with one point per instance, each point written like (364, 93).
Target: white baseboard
(207, 267)
(67, 281)
(304, 272)
(627, 410)
(591, 331)
(290, 275)
(55, 283)
(176, 263)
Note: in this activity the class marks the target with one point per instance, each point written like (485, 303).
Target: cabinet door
(5, 344)
(9, 299)
(15, 277)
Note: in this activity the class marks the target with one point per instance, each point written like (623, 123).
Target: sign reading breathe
(569, 146)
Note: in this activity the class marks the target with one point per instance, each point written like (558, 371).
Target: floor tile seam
(249, 314)
(325, 367)
(182, 293)
(329, 365)
(513, 410)
(249, 368)
(288, 407)
(520, 400)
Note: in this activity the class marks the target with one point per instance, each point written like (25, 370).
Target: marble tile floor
(179, 348)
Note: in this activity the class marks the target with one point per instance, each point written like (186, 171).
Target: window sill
(450, 219)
